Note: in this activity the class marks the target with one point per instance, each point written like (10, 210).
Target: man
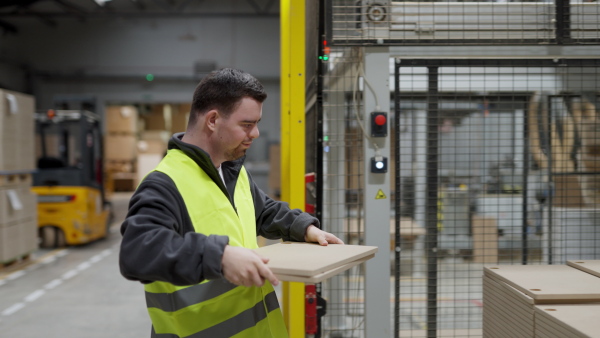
(193, 221)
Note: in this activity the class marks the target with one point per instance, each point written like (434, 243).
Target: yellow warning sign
(380, 195)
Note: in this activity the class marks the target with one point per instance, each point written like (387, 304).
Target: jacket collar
(231, 169)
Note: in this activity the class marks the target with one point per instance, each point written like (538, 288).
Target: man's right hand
(242, 266)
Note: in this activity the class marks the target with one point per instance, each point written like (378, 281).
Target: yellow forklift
(72, 206)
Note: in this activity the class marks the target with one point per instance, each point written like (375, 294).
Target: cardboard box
(17, 203)
(121, 119)
(9, 242)
(120, 147)
(153, 142)
(16, 131)
(485, 239)
(159, 118)
(180, 117)
(147, 163)
(28, 232)
(568, 192)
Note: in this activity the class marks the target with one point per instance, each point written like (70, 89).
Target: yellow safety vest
(213, 308)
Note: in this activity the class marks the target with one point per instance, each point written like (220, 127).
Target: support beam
(292, 139)
(377, 196)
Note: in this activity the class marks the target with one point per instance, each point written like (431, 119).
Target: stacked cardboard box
(152, 147)
(172, 118)
(485, 239)
(17, 131)
(515, 297)
(120, 147)
(18, 218)
(18, 205)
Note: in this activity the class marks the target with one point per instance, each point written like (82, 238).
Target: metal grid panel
(499, 159)
(484, 22)
(494, 162)
(342, 207)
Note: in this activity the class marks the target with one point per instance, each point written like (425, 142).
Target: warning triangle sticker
(380, 195)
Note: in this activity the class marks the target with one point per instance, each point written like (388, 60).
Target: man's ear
(211, 119)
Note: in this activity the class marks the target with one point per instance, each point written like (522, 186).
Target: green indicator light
(320, 57)
(149, 77)
(325, 138)
(325, 57)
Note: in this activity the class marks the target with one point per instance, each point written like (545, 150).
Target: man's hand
(245, 267)
(316, 235)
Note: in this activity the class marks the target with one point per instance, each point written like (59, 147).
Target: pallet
(119, 181)
(120, 166)
(13, 179)
(15, 263)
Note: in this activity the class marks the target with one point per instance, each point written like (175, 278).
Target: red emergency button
(378, 124)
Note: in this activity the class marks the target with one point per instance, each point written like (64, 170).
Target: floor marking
(15, 275)
(62, 252)
(48, 260)
(12, 309)
(96, 259)
(34, 295)
(83, 266)
(53, 284)
(69, 274)
(28, 265)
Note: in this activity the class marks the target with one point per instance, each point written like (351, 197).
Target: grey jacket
(159, 242)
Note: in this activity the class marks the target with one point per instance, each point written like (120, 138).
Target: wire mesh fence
(494, 162)
(459, 22)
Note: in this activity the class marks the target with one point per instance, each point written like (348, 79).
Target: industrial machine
(72, 206)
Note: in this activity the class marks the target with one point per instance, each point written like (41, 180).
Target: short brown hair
(223, 90)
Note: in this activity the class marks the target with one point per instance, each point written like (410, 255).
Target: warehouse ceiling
(51, 12)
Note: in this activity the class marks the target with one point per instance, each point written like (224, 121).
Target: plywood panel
(589, 266)
(324, 275)
(548, 283)
(309, 259)
(581, 318)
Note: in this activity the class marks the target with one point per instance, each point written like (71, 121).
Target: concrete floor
(79, 292)
(73, 292)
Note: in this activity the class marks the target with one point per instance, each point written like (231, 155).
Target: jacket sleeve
(275, 219)
(159, 243)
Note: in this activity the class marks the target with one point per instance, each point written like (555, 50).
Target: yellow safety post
(292, 139)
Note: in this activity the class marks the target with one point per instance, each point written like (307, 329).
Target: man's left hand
(316, 235)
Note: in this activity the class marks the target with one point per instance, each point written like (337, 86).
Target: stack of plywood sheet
(565, 320)
(512, 292)
(504, 304)
(313, 263)
(18, 206)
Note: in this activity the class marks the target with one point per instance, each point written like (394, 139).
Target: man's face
(235, 133)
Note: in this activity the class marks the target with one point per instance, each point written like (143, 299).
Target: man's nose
(254, 133)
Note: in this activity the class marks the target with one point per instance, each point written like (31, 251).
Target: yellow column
(292, 139)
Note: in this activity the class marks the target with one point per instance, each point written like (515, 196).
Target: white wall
(109, 59)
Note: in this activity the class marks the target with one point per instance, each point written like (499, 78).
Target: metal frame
(460, 23)
(377, 211)
(432, 97)
(293, 139)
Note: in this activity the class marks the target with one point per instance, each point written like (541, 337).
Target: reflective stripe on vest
(213, 308)
(236, 326)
